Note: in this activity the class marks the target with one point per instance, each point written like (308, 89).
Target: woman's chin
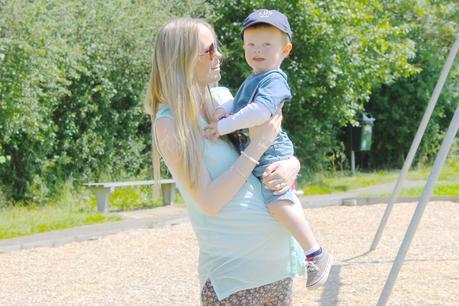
(216, 77)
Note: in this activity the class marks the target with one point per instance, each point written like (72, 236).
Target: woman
(245, 256)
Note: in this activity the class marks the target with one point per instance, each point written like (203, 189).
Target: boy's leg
(286, 209)
(294, 221)
(318, 261)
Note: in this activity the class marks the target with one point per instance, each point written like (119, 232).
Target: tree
(403, 103)
(72, 82)
(342, 50)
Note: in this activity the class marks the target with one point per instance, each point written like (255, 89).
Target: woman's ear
(286, 51)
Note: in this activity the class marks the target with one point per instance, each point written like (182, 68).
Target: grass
(339, 182)
(326, 183)
(27, 220)
(139, 197)
(76, 208)
(440, 189)
(130, 198)
(66, 211)
(71, 209)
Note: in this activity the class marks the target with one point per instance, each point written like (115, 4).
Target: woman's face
(207, 70)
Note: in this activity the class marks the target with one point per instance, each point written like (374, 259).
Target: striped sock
(314, 252)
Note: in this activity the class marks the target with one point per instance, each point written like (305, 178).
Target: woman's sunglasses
(210, 51)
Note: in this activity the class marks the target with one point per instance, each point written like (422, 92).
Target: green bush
(73, 73)
(341, 51)
(72, 80)
(399, 107)
(134, 197)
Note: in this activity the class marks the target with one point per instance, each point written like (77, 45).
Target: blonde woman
(246, 257)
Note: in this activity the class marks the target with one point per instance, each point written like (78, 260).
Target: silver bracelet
(253, 160)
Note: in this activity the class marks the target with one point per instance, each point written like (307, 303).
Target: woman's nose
(216, 58)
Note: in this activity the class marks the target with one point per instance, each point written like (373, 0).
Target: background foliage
(72, 75)
(403, 103)
(341, 51)
(72, 79)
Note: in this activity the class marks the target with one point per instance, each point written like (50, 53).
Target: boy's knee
(272, 210)
(276, 208)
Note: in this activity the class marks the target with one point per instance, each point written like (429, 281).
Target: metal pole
(353, 162)
(416, 141)
(435, 172)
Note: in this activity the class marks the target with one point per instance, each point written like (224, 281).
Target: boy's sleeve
(252, 115)
(272, 91)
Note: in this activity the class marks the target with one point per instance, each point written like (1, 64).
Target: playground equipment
(433, 176)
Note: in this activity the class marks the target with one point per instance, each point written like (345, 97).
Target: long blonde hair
(172, 83)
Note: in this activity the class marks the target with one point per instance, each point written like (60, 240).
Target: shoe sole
(324, 277)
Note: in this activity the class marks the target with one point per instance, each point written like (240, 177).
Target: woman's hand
(211, 131)
(220, 113)
(280, 175)
(264, 134)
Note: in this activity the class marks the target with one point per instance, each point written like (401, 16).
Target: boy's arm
(251, 115)
(227, 106)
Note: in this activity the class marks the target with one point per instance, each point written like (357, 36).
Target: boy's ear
(288, 47)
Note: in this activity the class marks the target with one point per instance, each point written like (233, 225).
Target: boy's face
(265, 48)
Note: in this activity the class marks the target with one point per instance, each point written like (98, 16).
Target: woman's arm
(224, 187)
(280, 175)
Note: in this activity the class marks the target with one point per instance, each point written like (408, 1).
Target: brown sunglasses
(210, 51)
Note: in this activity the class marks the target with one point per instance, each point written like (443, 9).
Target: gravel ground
(158, 266)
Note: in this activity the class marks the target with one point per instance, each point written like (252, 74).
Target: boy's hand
(220, 113)
(211, 132)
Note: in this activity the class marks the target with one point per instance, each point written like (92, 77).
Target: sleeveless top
(243, 246)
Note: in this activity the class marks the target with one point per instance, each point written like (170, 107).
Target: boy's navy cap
(271, 17)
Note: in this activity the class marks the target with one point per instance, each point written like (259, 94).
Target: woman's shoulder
(164, 111)
(164, 122)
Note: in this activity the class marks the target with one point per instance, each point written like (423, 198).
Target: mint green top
(243, 246)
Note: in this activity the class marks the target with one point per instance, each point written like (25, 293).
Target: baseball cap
(271, 17)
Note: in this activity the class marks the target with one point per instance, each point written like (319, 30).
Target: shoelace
(311, 266)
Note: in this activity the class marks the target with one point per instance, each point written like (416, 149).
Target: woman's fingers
(276, 120)
(276, 183)
(281, 191)
(281, 175)
(265, 133)
(270, 169)
(277, 172)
